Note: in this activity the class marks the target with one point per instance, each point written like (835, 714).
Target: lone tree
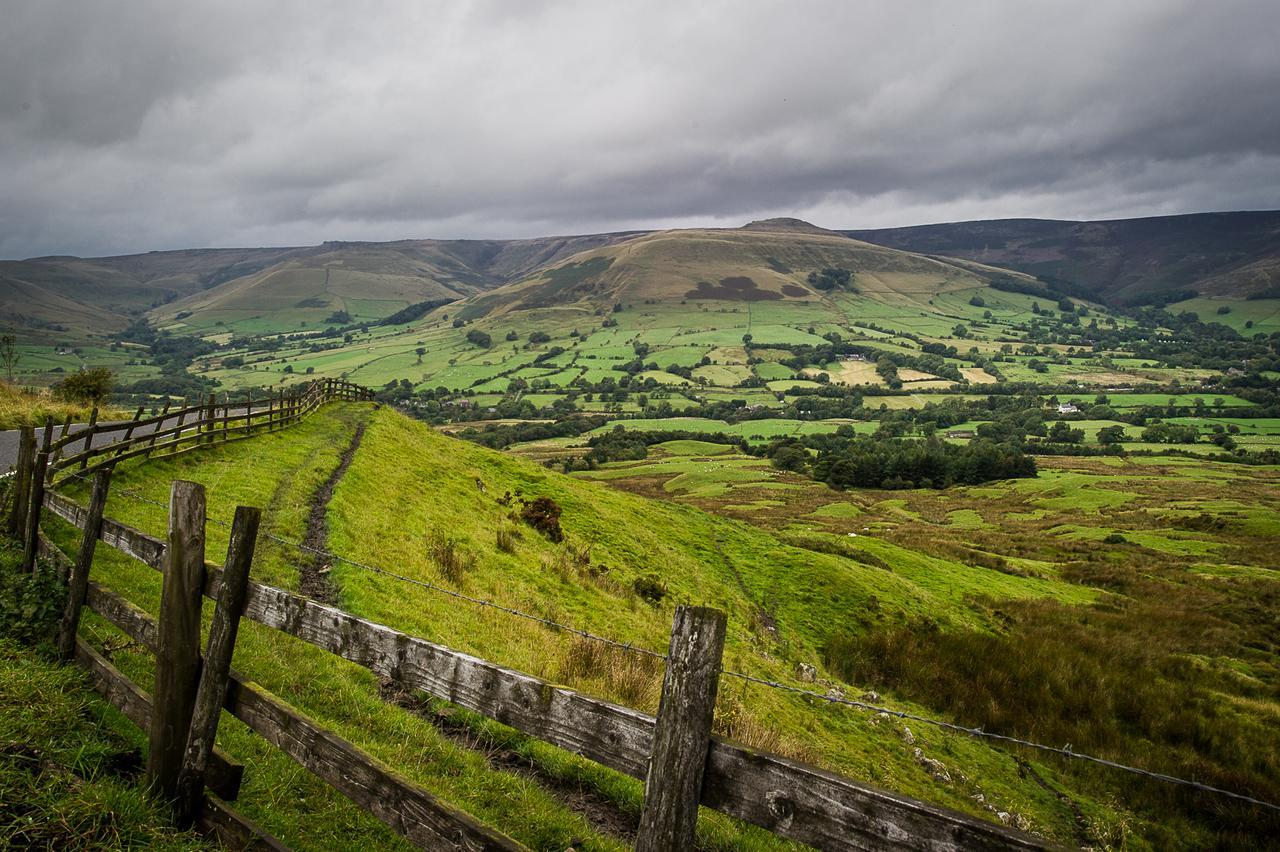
(9, 356)
(85, 386)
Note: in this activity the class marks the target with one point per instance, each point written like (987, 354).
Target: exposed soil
(314, 579)
(603, 814)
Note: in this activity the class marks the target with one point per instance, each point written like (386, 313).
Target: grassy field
(1184, 549)
(69, 771)
(30, 407)
(785, 592)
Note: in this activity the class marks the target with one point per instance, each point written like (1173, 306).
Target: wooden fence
(683, 765)
(168, 433)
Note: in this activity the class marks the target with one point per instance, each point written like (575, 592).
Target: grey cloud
(136, 125)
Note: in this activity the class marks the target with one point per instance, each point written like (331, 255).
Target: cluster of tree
(875, 462)
(831, 278)
(415, 311)
(619, 444)
(87, 386)
(173, 355)
(1170, 433)
(479, 338)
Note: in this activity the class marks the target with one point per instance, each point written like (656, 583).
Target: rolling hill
(261, 289)
(1123, 260)
(778, 260)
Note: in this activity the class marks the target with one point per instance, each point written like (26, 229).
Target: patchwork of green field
(752, 430)
(43, 365)
(1137, 400)
(1246, 316)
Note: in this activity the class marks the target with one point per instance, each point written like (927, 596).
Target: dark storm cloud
(135, 125)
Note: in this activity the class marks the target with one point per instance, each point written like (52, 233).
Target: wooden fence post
(78, 582)
(128, 432)
(178, 651)
(212, 691)
(88, 436)
(164, 417)
(22, 481)
(36, 498)
(210, 417)
(682, 734)
(57, 454)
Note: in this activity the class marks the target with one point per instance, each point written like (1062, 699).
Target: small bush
(30, 604)
(543, 514)
(87, 386)
(650, 588)
(1115, 538)
(449, 557)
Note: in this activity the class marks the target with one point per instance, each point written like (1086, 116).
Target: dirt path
(314, 580)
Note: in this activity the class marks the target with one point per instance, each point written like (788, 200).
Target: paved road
(9, 439)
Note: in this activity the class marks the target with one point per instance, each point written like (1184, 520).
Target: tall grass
(30, 407)
(1142, 679)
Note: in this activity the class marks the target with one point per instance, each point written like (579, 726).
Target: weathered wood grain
(669, 818)
(17, 519)
(607, 733)
(129, 541)
(78, 580)
(224, 775)
(212, 690)
(178, 653)
(401, 804)
(233, 830)
(32, 536)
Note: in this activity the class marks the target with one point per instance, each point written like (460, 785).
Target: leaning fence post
(178, 651)
(22, 481)
(78, 582)
(33, 511)
(212, 691)
(682, 734)
(88, 437)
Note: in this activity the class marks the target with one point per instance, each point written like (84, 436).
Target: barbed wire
(414, 581)
(1066, 751)
(1061, 751)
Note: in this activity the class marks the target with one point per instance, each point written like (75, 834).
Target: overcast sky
(128, 125)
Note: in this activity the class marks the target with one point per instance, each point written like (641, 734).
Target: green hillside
(764, 262)
(624, 563)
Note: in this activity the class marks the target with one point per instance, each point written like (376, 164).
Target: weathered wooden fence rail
(168, 433)
(684, 766)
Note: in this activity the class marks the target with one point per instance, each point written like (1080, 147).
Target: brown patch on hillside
(734, 288)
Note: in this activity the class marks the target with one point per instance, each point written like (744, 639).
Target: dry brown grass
(449, 557)
(30, 407)
(634, 678)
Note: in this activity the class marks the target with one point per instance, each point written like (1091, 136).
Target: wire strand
(1067, 751)
(978, 732)
(425, 584)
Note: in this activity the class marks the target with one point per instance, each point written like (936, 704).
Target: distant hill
(770, 261)
(1123, 260)
(262, 289)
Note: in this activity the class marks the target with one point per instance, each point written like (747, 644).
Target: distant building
(1067, 408)
(961, 433)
